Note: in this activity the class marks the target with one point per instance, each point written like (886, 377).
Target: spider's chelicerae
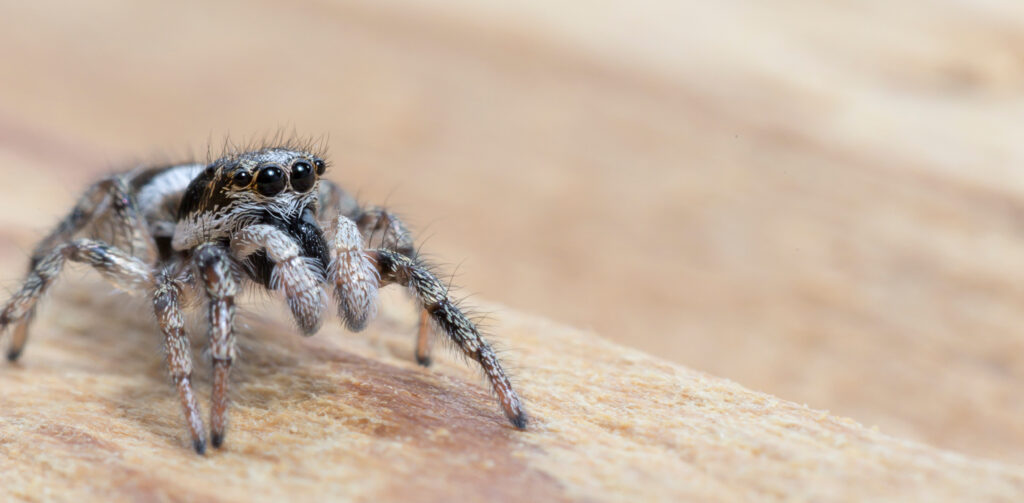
(265, 216)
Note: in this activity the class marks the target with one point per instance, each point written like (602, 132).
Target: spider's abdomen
(161, 188)
(158, 194)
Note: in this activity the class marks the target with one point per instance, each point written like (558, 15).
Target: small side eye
(242, 178)
(302, 176)
(270, 181)
(320, 167)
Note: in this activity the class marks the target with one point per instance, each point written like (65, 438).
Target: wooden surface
(820, 201)
(90, 415)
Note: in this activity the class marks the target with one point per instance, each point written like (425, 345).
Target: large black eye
(320, 167)
(242, 178)
(302, 176)
(270, 181)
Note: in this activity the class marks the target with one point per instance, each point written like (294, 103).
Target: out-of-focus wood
(821, 200)
(89, 415)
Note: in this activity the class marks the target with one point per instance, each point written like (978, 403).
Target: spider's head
(268, 174)
(245, 188)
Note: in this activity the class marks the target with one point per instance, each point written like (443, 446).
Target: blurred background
(821, 200)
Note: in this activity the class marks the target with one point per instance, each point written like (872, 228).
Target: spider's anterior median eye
(270, 181)
(302, 176)
(320, 167)
(242, 178)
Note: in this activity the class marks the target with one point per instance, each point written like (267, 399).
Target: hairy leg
(116, 265)
(423, 339)
(214, 266)
(167, 306)
(381, 229)
(76, 220)
(354, 275)
(292, 274)
(131, 232)
(379, 225)
(130, 227)
(394, 267)
(112, 192)
(334, 202)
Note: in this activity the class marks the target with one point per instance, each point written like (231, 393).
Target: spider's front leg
(213, 262)
(432, 294)
(167, 305)
(291, 273)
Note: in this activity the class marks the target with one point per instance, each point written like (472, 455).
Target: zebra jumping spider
(252, 216)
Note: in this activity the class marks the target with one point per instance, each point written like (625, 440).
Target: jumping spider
(253, 216)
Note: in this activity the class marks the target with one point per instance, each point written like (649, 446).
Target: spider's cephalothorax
(264, 216)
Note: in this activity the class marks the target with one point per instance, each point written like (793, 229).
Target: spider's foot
(307, 310)
(13, 354)
(18, 339)
(423, 339)
(200, 446)
(355, 321)
(519, 420)
(217, 439)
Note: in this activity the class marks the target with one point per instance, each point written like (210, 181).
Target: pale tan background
(821, 201)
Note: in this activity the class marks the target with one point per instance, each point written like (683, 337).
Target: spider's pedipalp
(380, 226)
(354, 276)
(213, 263)
(394, 267)
(291, 273)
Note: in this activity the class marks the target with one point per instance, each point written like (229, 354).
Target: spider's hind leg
(113, 263)
(19, 335)
(129, 229)
(80, 216)
(432, 294)
(423, 339)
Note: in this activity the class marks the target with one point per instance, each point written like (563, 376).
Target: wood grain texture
(89, 415)
(822, 201)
